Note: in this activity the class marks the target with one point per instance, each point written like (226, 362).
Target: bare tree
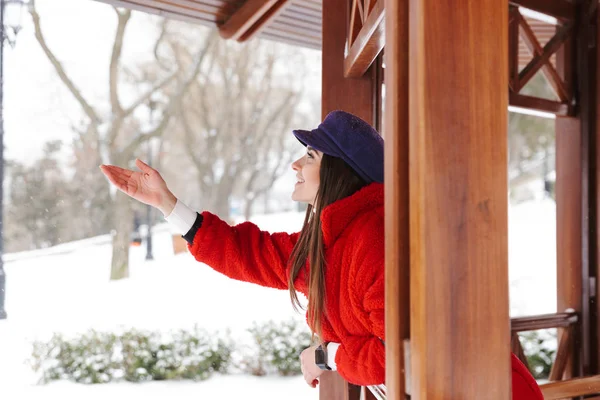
(236, 123)
(118, 130)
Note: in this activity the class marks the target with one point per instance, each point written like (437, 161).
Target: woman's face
(307, 173)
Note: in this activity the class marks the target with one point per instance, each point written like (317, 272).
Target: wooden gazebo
(451, 70)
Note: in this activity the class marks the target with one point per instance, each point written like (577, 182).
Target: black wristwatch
(321, 357)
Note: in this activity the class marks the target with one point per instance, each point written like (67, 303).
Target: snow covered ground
(66, 289)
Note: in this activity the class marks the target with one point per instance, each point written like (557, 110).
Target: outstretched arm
(242, 252)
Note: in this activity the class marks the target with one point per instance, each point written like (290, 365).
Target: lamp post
(10, 25)
(150, 144)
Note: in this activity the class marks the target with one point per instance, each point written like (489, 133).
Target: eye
(309, 154)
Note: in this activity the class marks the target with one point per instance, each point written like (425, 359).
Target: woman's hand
(309, 369)
(146, 186)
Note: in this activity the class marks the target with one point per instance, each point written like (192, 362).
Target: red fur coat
(353, 235)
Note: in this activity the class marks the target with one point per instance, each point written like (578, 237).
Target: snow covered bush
(90, 358)
(133, 355)
(277, 348)
(540, 349)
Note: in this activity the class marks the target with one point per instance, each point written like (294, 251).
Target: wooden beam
(397, 235)
(539, 104)
(352, 95)
(563, 10)
(539, 60)
(568, 193)
(545, 321)
(548, 70)
(513, 47)
(571, 388)
(458, 199)
(251, 18)
(368, 44)
(596, 182)
(563, 353)
(517, 349)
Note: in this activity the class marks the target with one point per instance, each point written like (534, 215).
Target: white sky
(80, 33)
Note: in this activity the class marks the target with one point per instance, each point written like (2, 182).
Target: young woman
(336, 260)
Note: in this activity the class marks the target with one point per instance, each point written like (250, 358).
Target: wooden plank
(538, 104)
(333, 387)
(562, 10)
(562, 354)
(368, 44)
(596, 182)
(517, 349)
(513, 47)
(397, 236)
(571, 388)
(548, 70)
(545, 321)
(539, 60)
(568, 193)
(352, 95)
(458, 200)
(250, 18)
(339, 93)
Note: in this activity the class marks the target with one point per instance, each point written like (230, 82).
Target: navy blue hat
(350, 138)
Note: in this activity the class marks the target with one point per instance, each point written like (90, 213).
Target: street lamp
(152, 144)
(11, 12)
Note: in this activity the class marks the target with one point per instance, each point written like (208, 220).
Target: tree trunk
(123, 225)
(248, 209)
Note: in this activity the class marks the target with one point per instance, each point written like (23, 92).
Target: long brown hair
(337, 180)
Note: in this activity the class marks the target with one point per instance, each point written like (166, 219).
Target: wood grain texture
(250, 18)
(563, 10)
(568, 191)
(351, 95)
(368, 43)
(458, 200)
(397, 259)
(571, 388)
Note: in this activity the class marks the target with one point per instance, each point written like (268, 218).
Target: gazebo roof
(298, 23)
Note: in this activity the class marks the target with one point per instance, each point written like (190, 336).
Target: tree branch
(123, 19)
(146, 96)
(89, 111)
(176, 98)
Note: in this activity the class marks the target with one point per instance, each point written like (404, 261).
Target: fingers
(145, 168)
(113, 170)
(117, 176)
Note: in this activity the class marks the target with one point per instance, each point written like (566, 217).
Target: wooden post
(459, 322)
(569, 217)
(397, 262)
(354, 95)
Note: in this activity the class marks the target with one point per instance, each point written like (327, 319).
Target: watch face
(321, 358)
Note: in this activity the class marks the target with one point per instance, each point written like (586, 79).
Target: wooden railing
(566, 322)
(571, 388)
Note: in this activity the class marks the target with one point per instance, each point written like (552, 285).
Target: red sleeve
(524, 386)
(244, 252)
(361, 359)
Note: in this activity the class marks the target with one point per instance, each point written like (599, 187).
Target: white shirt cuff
(181, 218)
(331, 350)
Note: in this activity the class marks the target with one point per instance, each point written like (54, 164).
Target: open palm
(146, 186)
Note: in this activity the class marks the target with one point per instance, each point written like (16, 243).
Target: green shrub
(540, 349)
(134, 356)
(90, 358)
(277, 348)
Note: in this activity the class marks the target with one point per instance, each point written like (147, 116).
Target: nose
(297, 165)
